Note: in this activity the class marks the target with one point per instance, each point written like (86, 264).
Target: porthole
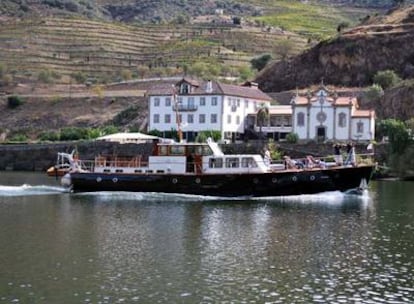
(98, 179)
(174, 180)
(312, 178)
(274, 180)
(115, 180)
(197, 180)
(255, 181)
(294, 178)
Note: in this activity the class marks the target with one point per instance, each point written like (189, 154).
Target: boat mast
(177, 115)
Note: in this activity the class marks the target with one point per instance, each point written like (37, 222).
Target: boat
(203, 169)
(62, 165)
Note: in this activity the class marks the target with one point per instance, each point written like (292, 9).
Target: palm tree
(262, 117)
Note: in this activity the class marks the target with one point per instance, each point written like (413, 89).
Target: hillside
(352, 58)
(106, 50)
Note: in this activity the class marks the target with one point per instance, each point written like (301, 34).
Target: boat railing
(310, 162)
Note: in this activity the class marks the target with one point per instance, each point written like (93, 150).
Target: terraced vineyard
(103, 49)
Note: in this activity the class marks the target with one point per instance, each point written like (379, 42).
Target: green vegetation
(386, 79)
(260, 62)
(313, 20)
(374, 93)
(203, 135)
(14, 101)
(401, 155)
(77, 133)
(292, 138)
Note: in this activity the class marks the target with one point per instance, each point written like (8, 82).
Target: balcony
(184, 107)
(274, 129)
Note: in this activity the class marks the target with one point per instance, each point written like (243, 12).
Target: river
(58, 247)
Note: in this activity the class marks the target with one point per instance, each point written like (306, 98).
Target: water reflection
(155, 248)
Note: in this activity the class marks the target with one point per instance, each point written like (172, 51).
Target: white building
(194, 106)
(232, 110)
(323, 117)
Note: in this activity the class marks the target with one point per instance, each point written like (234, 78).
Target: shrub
(73, 133)
(292, 138)
(19, 138)
(260, 62)
(14, 101)
(386, 79)
(49, 136)
(203, 135)
(110, 129)
(79, 77)
(374, 93)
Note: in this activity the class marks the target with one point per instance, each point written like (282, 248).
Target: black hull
(227, 185)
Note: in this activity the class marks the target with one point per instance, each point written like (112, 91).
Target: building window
(246, 102)
(342, 120)
(190, 118)
(167, 118)
(168, 101)
(238, 119)
(202, 118)
(156, 102)
(202, 101)
(301, 119)
(191, 102)
(360, 127)
(156, 118)
(185, 88)
(229, 119)
(213, 118)
(214, 101)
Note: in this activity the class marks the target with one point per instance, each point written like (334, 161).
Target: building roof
(340, 101)
(249, 90)
(363, 113)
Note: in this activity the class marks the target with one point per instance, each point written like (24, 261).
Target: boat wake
(25, 190)
(326, 198)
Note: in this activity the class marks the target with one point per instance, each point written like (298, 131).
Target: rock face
(352, 58)
(397, 102)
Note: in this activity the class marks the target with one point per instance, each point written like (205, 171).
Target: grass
(309, 19)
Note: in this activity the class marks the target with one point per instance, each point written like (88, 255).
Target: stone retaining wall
(39, 157)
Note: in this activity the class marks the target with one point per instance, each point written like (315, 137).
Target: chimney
(209, 86)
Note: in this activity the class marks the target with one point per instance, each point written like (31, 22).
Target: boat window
(119, 170)
(163, 150)
(215, 163)
(207, 150)
(138, 171)
(248, 162)
(106, 170)
(232, 162)
(177, 150)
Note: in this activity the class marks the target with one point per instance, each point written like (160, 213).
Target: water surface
(58, 247)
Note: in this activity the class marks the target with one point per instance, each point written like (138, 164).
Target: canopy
(125, 138)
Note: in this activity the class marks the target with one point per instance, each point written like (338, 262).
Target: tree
(262, 117)
(14, 101)
(260, 62)
(397, 134)
(386, 79)
(374, 93)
